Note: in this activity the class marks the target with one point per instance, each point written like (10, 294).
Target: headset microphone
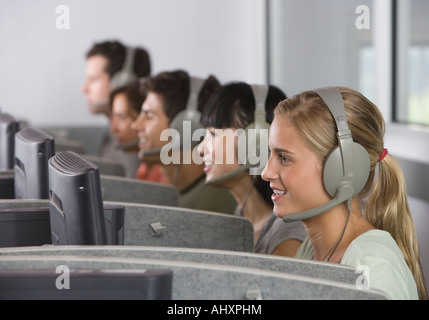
(346, 167)
(229, 174)
(129, 144)
(101, 106)
(150, 152)
(345, 193)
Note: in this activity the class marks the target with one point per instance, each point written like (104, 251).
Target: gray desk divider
(309, 268)
(123, 189)
(106, 166)
(89, 136)
(69, 145)
(24, 203)
(152, 225)
(196, 281)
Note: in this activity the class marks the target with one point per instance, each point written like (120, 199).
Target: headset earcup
(253, 143)
(177, 124)
(363, 167)
(179, 120)
(333, 171)
(242, 142)
(122, 79)
(186, 115)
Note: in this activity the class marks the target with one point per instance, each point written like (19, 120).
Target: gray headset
(260, 93)
(346, 167)
(123, 78)
(126, 75)
(190, 113)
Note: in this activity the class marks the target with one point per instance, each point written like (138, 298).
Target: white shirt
(380, 255)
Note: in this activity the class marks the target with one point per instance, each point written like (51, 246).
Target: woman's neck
(326, 231)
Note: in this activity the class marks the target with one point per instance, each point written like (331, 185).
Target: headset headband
(334, 100)
(195, 85)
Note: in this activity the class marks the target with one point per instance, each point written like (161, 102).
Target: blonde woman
(372, 228)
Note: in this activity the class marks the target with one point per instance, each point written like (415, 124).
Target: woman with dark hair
(229, 111)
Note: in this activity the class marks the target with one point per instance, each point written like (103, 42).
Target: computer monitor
(7, 184)
(86, 284)
(114, 217)
(8, 127)
(20, 227)
(33, 149)
(75, 201)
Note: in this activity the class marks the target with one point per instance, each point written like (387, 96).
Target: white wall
(42, 68)
(315, 43)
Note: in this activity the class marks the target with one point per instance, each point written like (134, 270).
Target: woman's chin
(277, 212)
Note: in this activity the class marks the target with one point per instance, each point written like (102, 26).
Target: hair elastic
(382, 155)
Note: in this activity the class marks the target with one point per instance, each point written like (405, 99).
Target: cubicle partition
(308, 268)
(196, 281)
(123, 189)
(210, 255)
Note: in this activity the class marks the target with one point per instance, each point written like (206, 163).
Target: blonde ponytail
(387, 209)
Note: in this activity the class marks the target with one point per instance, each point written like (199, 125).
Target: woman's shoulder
(374, 242)
(378, 252)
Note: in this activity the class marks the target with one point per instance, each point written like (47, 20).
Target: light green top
(377, 253)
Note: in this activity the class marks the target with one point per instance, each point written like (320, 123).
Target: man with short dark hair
(103, 61)
(106, 63)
